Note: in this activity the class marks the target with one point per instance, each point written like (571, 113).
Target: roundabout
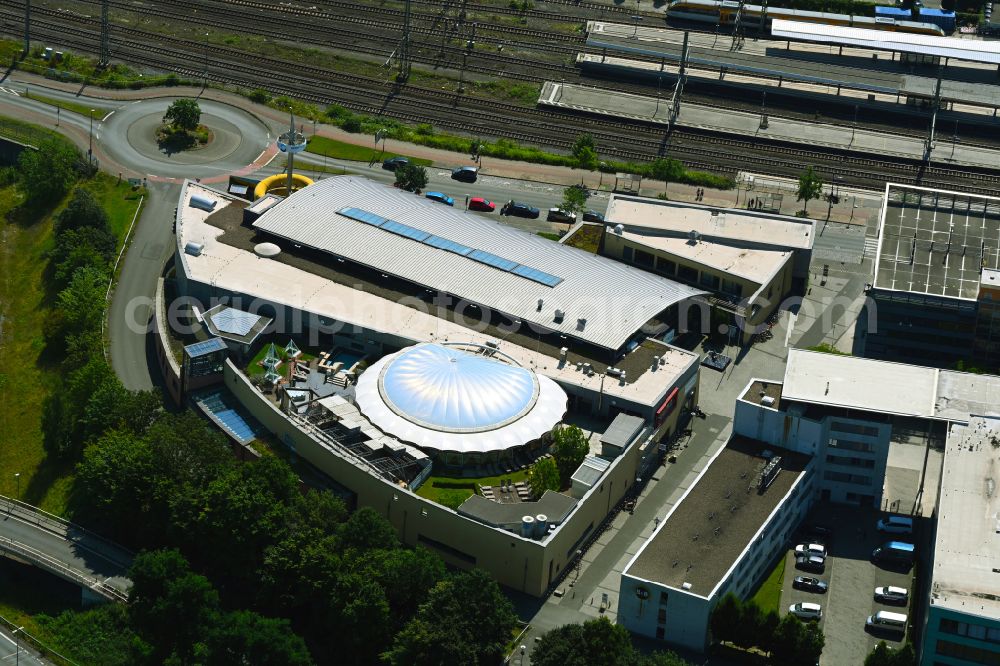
(238, 139)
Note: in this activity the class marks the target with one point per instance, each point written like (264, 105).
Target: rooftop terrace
(936, 242)
(711, 526)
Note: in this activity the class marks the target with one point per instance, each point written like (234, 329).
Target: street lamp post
(601, 166)
(204, 80)
(17, 477)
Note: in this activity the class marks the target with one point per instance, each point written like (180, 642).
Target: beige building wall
(767, 294)
(520, 563)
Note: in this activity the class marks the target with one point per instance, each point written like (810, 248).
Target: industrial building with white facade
(462, 343)
(830, 423)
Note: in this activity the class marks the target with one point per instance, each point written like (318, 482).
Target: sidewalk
(277, 121)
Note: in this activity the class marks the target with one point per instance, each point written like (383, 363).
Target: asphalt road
(73, 547)
(14, 652)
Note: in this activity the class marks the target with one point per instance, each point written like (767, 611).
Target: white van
(886, 620)
(895, 525)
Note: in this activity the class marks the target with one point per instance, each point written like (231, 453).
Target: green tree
(244, 637)
(663, 659)
(80, 248)
(796, 643)
(575, 198)
(113, 481)
(47, 174)
(83, 210)
(725, 618)
(748, 629)
(411, 177)
(81, 303)
(883, 655)
(183, 114)
(584, 151)
(810, 187)
(465, 620)
(366, 529)
(543, 475)
(569, 448)
(666, 169)
(170, 607)
(593, 643)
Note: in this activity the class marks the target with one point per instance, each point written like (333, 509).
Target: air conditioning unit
(767, 401)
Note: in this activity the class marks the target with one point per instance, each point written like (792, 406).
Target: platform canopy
(973, 50)
(448, 399)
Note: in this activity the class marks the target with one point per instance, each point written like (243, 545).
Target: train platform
(748, 126)
(843, 69)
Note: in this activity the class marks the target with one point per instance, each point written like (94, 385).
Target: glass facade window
(851, 446)
(643, 258)
(970, 630)
(665, 266)
(844, 477)
(851, 461)
(709, 280)
(854, 428)
(969, 653)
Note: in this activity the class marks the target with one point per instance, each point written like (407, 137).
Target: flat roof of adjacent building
(966, 549)
(936, 242)
(507, 270)
(705, 533)
(298, 283)
(645, 215)
(885, 387)
(957, 48)
(554, 506)
(757, 266)
(623, 430)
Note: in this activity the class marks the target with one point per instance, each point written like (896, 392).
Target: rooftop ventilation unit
(194, 249)
(693, 235)
(767, 401)
(614, 372)
(204, 203)
(581, 323)
(540, 302)
(559, 316)
(619, 229)
(562, 352)
(686, 585)
(770, 473)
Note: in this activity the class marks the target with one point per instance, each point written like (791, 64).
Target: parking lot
(852, 579)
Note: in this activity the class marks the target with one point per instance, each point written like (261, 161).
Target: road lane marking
(110, 113)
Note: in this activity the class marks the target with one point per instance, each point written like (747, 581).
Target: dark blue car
(518, 209)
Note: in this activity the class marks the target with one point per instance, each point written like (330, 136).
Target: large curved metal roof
(447, 399)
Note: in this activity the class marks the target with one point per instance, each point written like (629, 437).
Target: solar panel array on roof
(207, 347)
(483, 257)
(235, 322)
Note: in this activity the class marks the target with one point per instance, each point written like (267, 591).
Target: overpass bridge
(94, 563)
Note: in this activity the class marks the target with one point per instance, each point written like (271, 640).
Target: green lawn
(768, 595)
(25, 377)
(549, 235)
(254, 367)
(452, 491)
(339, 150)
(75, 107)
(118, 199)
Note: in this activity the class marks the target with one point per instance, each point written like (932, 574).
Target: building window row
(854, 428)
(970, 630)
(969, 653)
(851, 461)
(851, 445)
(844, 477)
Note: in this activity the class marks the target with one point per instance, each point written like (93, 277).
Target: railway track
(495, 64)
(620, 140)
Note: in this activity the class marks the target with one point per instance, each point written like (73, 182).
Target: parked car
(884, 622)
(890, 594)
(560, 215)
(813, 563)
(518, 209)
(810, 549)
(481, 204)
(895, 525)
(466, 174)
(809, 584)
(393, 163)
(806, 611)
(894, 554)
(592, 216)
(440, 197)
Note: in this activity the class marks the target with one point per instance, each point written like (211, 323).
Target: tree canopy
(569, 448)
(584, 151)
(810, 186)
(575, 198)
(883, 655)
(543, 475)
(47, 174)
(595, 643)
(411, 177)
(183, 114)
(666, 169)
